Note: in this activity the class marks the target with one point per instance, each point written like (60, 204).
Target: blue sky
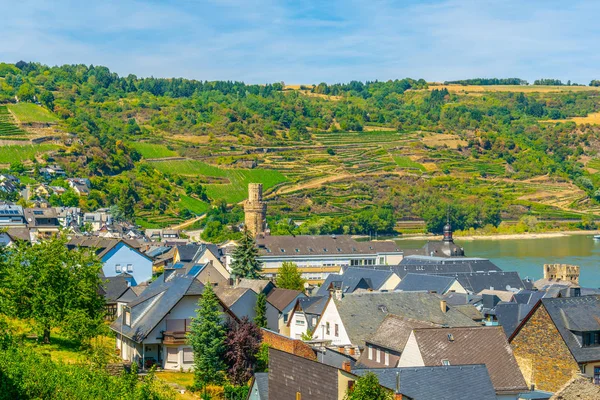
(310, 41)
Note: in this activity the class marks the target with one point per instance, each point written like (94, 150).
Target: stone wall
(542, 355)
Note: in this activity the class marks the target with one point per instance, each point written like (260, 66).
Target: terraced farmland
(14, 153)
(7, 124)
(153, 150)
(235, 186)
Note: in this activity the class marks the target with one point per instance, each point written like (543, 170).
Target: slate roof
(437, 265)
(351, 279)
(473, 345)
(328, 245)
(465, 382)
(395, 330)
(41, 217)
(187, 252)
(261, 382)
(427, 283)
(438, 249)
(312, 306)
(333, 357)
(281, 298)
(362, 313)
(509, 315)
(114, 287)
(576, 314)
(470, 311)
(503, 295)
(475, 282)
(154, 304)
(229, 295)
(102, 245)
(18, 233)
(258, 285)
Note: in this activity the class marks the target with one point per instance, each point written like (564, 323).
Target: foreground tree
(207, 337)
(245, 258)
(289, 277)
(243, 343)
(54, 287)
(261, 311)
(367, 387)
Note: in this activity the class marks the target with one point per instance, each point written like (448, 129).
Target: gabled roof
(103, 245)
(18, 233)
(576, 314)
(428, 283)
(154, 304)
(362, 313)
(503, 295)
(257, 285)
(312, 307)
(334, 358)
(395, 330)
(281, 298)
(352, 278)
(473, 345)
(260, 381)
(475, 282)
(230, 295)
(465, 382)
(187, 252)
(509, 315)
(437, 265)
(470, 311)
(115, 286)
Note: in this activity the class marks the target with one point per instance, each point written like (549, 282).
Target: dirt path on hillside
(187, 223)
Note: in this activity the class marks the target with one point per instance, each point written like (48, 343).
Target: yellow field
(439, 140)
(593, 118)
(511, 88)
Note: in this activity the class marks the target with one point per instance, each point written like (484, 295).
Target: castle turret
(562, 272)
(255, 209)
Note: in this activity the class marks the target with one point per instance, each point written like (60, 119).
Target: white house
(284, 301)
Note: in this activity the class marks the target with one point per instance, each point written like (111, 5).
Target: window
(597, 375)
(370, 353)
(591, 339)
(327, 328)
(297, 250)
(445, 362)
(127, 316)
(299, 322)
(129, 267)
(282, 250)
(381, 260)
(172, 354)
(378, 355)
(314, 320)
(118, 268)
(188, 355)
(285, 318)
(337, 330)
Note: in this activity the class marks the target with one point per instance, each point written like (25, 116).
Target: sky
(305, 41)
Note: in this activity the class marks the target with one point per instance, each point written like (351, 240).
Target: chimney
(443, 306)
(346, 366)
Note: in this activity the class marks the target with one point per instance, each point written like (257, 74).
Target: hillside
(351, 158)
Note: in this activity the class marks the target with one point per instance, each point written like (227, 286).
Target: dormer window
(118, 268)
(282, 250)
(127, 316)
(268, 250)
(445, 362)
(297, 250)
(325, 250)
(310, 249)
(591, 339)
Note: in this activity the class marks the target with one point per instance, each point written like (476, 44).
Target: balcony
(170, 337)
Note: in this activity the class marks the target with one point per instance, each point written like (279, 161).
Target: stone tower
(562, 272)
(255, 209)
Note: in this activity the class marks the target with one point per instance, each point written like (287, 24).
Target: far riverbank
(534, 235)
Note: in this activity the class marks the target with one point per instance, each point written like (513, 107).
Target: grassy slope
(28, 112)
(235, 190)
(13, 153)
(153, 150)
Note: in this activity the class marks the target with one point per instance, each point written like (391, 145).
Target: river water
(528, 256)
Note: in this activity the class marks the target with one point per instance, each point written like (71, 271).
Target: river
(527, 256)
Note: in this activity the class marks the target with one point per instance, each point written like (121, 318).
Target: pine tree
(207, 337)
(289, 277)
(245, 259)
(261, 311)
(367, 387)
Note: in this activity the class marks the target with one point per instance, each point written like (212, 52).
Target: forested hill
(351, 158)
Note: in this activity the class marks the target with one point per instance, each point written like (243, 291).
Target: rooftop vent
(382, 308)
(450, 337)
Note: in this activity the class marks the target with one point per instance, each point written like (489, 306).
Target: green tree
(207, 337)
(367, 387)
(245, 258)
(289, 277)
(261, 311)
(26, 92)
(55, 287)
(47, 99)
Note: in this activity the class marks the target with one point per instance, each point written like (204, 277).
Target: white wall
(391, 283)
(411, 355)
(298, 325)
(332, 316)
(457, 287)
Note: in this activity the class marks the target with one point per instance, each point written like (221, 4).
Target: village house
(41, 222)
(11, 215)
(207, 271)
(152, 329)
(52, 171)
(349, 320)
(284, 301)
(356, 279)
(384, 348)
(242, 302)
(81, 186)
(259, 387)
(305, 314)
(559, 338)
(118, 256)
(98, 219)
(428, 347)
(10, 236)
